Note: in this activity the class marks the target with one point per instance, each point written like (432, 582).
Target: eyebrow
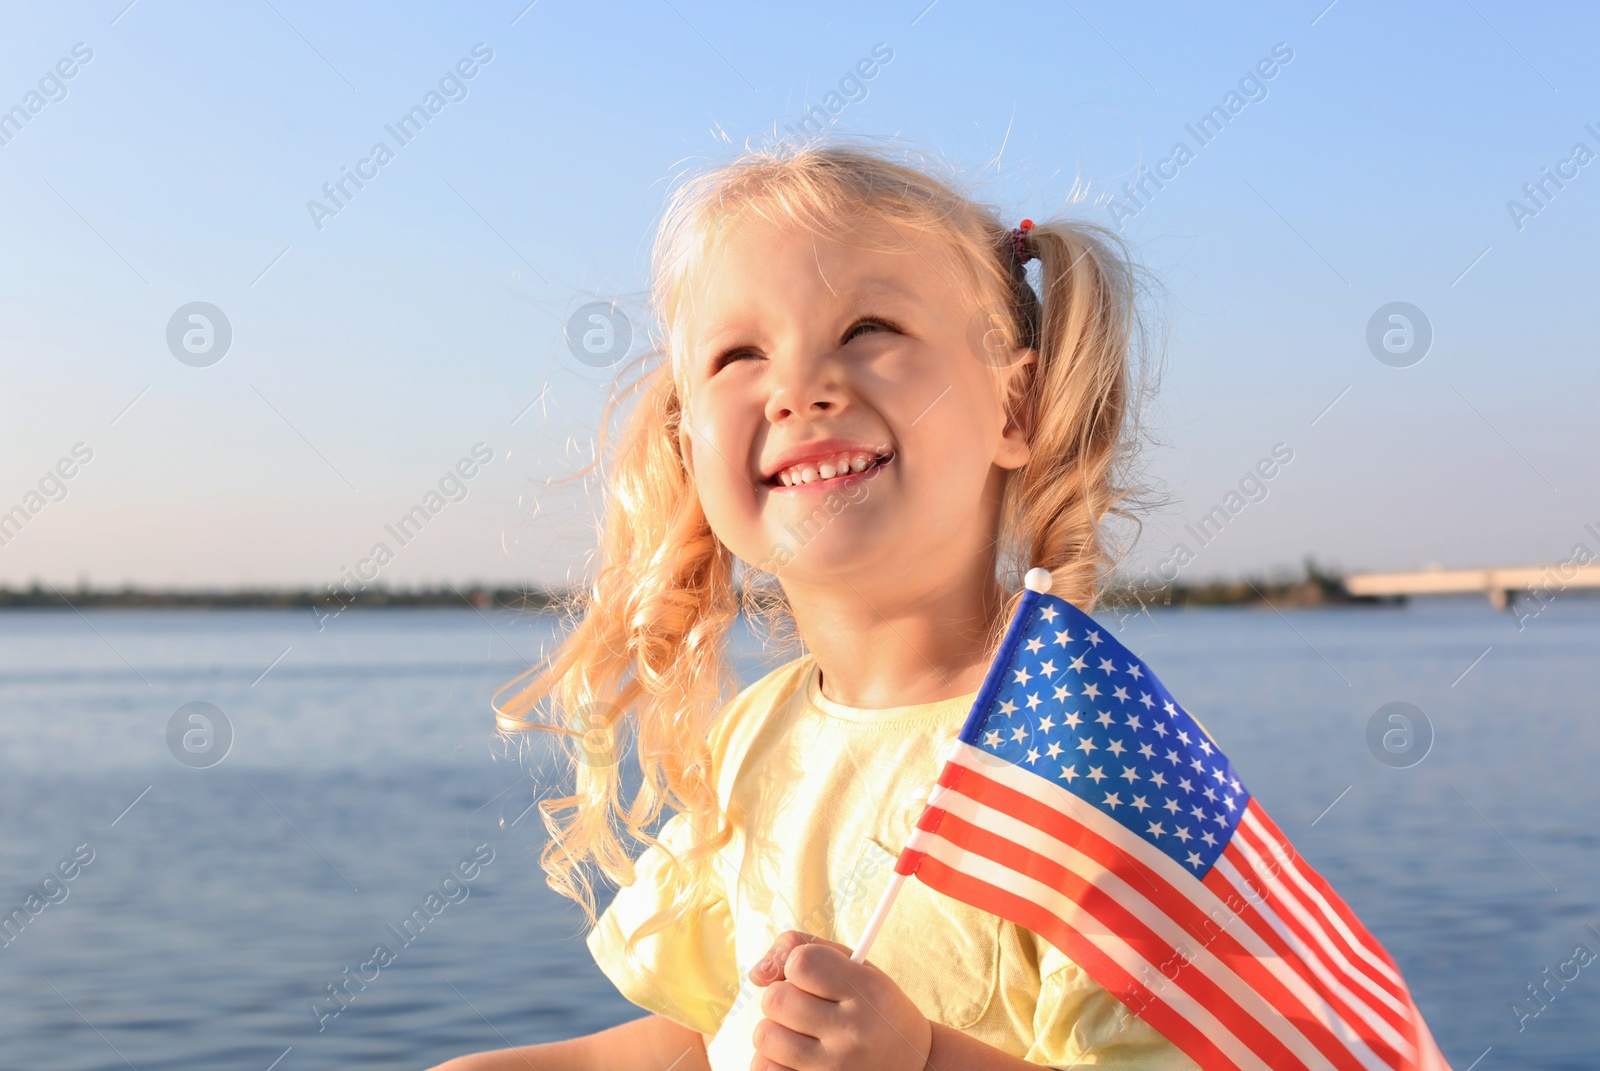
(874, 286)
(715, 338)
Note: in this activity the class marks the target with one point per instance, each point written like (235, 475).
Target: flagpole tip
(1038, 580)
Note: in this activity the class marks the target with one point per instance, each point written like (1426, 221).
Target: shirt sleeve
(686, 972)
(1078, 1023)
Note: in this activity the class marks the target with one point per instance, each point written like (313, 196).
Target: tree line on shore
(1317, 587)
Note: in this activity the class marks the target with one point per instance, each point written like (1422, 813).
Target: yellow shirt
(822, 798)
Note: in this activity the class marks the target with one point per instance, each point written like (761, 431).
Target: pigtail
(1077, 401)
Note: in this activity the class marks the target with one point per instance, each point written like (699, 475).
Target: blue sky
(371, 355)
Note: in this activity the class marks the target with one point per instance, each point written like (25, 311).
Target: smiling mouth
(811, 475)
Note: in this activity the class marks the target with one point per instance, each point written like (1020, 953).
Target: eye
(727, 357)
(869, 321)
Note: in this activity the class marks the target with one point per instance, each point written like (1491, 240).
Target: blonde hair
(644, 665)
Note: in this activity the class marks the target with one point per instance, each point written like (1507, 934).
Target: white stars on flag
(1176, 769)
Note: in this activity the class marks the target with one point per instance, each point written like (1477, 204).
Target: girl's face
(807, 359)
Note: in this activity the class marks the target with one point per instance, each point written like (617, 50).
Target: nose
(805, 386)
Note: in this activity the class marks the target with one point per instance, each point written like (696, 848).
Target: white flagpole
(1036, 580)
(897, 879)
(875, 923)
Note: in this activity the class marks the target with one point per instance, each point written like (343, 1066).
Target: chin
(816, 561)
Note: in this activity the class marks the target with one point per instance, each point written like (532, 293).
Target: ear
(685, 447)
(685, 434)
(1017, 435)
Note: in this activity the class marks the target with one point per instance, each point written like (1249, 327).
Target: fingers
(761, 1063)
(823, 969)
(789, 1005)
(773, 967)
(778, 1047)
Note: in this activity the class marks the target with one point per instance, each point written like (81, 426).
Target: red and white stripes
(1259, 965)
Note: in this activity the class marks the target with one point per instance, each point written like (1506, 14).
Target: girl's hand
(824, 1012)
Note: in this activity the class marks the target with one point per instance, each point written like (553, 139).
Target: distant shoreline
(1316, 588)
(130, 598)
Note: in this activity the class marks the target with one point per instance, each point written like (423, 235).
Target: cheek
(719, 450)
(954, 452)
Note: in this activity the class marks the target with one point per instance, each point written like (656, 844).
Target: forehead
(757, 258)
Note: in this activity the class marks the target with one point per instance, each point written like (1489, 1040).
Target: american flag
(1082, 802)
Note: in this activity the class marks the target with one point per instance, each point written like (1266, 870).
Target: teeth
(814, 471)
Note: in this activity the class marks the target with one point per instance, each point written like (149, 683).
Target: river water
(221, 899)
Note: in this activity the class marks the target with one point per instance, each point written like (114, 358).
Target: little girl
(863, 396)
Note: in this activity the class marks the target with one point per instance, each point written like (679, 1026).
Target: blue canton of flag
(1078, 707)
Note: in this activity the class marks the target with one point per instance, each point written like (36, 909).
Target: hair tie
(1019, 236)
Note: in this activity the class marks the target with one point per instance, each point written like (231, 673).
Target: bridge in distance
(1501, 585)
